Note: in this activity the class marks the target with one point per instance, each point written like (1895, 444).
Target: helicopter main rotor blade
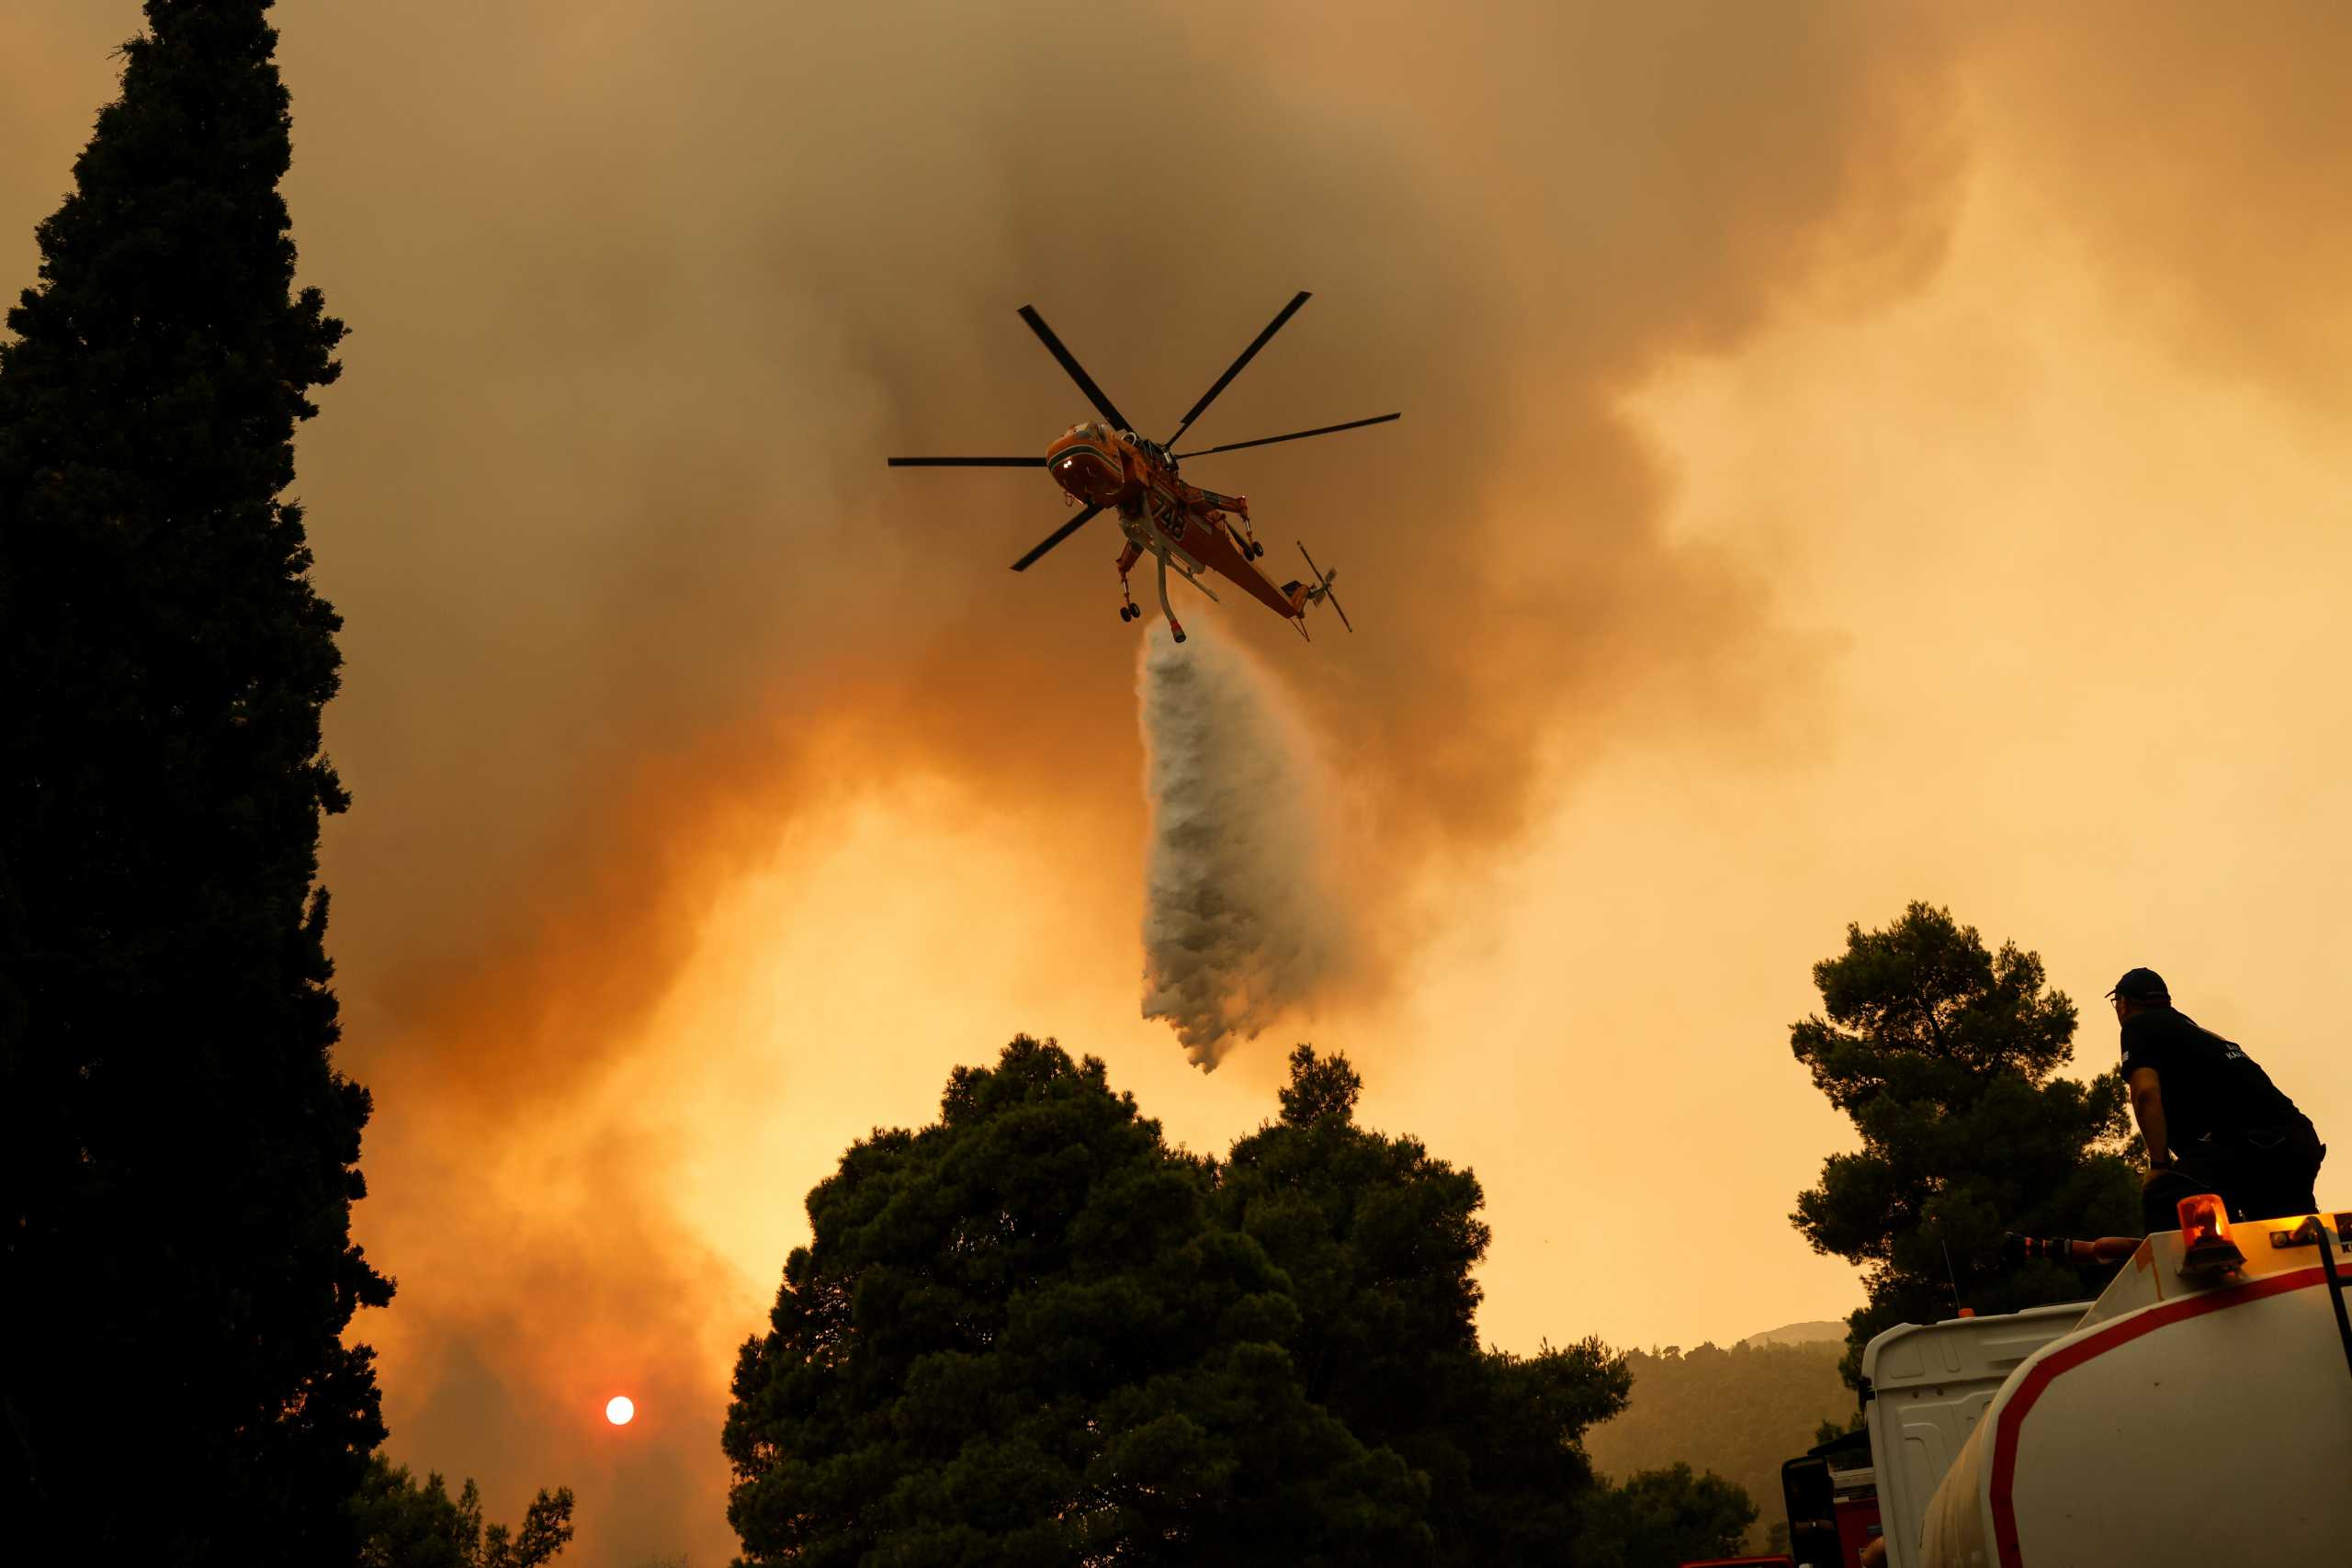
(1077, 371)
(1055, 537)
(967, 462)
(1294, 436)
(1235, 369)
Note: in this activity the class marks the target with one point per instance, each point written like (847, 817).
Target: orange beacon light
(2207, 1251)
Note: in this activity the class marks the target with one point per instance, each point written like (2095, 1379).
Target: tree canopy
(1658, 1517)
(403, 1524)
(180, 1152)
(1033, 1333)
(1015, 1337)
(1378, 1240)
(1946, 1056)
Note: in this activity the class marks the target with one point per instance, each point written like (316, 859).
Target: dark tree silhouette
(405, 1524)
(1017, 1337)
(1946, 1057)
(1378, 1240)
(1033, 1334)
(1660, 1518)
(180, 1152)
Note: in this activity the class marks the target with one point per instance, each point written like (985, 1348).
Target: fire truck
(2197, 1413)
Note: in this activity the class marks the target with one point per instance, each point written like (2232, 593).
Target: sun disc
(620, 1410)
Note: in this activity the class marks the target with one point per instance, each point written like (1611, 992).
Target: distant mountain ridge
(1815, 1333)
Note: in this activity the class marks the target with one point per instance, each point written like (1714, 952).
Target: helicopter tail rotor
(1322, 588)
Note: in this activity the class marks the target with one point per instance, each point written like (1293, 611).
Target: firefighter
(2212, 1119)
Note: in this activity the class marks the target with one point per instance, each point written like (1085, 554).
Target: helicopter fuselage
(1187, 527)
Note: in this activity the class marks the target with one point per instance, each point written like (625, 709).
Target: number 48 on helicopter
(1105, 465)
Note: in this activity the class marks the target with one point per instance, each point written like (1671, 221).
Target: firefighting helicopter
(1105, 465)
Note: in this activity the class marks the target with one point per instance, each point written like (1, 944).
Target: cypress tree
(180, 1152)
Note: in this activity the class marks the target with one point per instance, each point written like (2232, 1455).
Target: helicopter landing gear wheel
(1167, 609)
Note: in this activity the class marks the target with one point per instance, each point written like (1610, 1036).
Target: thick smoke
(643, 295)
(1242, 922)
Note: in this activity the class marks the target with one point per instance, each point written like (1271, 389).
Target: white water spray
(1241, 923)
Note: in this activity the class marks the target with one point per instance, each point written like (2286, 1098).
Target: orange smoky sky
(1850, 453)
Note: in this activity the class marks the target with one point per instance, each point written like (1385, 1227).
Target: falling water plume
(1242, 923)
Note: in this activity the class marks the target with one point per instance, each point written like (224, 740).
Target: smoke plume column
(1242, 922)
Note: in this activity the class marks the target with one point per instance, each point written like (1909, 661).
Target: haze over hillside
(1738, 1412)
(1814, 1333)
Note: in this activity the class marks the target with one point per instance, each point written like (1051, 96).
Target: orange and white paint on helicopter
(1105, 467)
(1193, 529)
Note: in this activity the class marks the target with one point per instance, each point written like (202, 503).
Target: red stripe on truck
(2013, 1414)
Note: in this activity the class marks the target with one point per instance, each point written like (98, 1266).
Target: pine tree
(1379, 1240)
(403, 1523)
(1946, 1056)
(180, 1152)
(1016, 1337)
